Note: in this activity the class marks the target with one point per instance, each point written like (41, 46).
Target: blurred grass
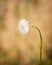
(17, 63)
(3, 54)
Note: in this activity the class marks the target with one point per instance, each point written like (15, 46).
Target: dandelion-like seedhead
(23, 26)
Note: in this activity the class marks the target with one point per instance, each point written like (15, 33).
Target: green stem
(40, 43)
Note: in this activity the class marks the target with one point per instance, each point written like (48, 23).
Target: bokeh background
(24, 49)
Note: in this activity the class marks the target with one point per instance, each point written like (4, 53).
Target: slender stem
(40, 43)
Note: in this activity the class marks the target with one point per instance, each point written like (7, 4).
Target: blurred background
(24, 49)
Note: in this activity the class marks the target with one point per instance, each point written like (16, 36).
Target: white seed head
(23, 26)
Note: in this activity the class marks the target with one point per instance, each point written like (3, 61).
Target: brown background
(26, 47)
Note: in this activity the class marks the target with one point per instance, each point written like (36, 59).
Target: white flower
(23, 26)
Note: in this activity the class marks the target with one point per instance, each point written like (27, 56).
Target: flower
(23, 26)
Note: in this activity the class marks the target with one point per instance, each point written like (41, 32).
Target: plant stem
(40, 43)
